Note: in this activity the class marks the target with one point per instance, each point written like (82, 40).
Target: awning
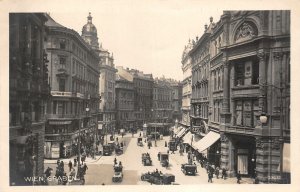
(22, 139)
(188, 138)
(286, 158)
(181, 132)
(59, 122)
(206, 141)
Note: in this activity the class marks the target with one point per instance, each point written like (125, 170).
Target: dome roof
(89, 27)
(89, 33)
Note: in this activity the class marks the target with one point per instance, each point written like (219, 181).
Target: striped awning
(181, 132)
(188, 138)
(206, 141)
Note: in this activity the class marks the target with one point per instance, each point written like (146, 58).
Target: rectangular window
(62, 85)
(246, 112)
(62, 62)
(62, 44)
(246, 73)
(54, 107)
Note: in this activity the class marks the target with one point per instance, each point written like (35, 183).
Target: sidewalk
(87, 160)
(178, 159)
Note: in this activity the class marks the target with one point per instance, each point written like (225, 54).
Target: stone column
(262, 81)
(227, 154)
(226, 88)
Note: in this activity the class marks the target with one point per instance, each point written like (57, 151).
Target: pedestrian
(140, 134)
(85, 167)
(117, 139)
(217, 172)
(48, 172)
(166, 144)
(70, 165)
(65, 179)
(122, 144)
(238, 177)
(224, 173)
(58, 162)
(196, 168)
(75, 162)
(115, 161)
(158, 156)
(210, 176)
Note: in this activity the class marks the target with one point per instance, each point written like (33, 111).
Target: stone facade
(248, 80)
(74, 80)
(125, 118)
(28, 94)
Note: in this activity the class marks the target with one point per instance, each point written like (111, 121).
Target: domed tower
(89, 33)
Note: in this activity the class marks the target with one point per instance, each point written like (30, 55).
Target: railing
(61, 94)
(241, 130)
(50, 116)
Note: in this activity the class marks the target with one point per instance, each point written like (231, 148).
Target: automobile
(158, 178)
(164, 159)
(118, 173)
(188, 169)
(119, 150)
(107, 150)
(172, 145)
(146, 159)
(140, 141)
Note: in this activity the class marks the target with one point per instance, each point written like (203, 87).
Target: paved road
(101, 171)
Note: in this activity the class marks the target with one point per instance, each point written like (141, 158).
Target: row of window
(200, 74)
(217, 79)
(200, 90)
(71, 107)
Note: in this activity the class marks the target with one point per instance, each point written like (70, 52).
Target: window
(245, 113)
(62, 62)
(62, 85)
(246, 73)
(62, 44)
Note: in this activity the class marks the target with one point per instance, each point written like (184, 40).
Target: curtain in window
(243, 164)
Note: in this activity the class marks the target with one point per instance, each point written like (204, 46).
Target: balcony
(240, 130)
(245, 91)
(61, 94)
(59, 116)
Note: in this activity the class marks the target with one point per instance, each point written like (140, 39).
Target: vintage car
(172, 145)
(164, 159)
(146, 159)
(118, 150)
(188, 169)
(107, 150)
(140, 141)
(118, 173)
(158, 178)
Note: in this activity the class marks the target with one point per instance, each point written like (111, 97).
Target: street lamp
(263, 119)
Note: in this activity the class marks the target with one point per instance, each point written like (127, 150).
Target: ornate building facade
(238, 94)
(186, 85)
(28, 94)
(74, 80)
(256, 46)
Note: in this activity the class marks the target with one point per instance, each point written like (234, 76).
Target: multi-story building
(256, 62)
(143, 94)
(107, 91)
(177, 99)
(186, 86)
(74, 80)
(162, 100)
(248, 104)
(200, 56)
(125, 118)
(28, 94)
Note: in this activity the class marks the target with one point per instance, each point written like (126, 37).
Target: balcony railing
(61, 94)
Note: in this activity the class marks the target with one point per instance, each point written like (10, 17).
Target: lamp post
(155, 120)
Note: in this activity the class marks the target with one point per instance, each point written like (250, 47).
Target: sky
(149, 36)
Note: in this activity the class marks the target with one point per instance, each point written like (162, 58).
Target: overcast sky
(146, 36)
